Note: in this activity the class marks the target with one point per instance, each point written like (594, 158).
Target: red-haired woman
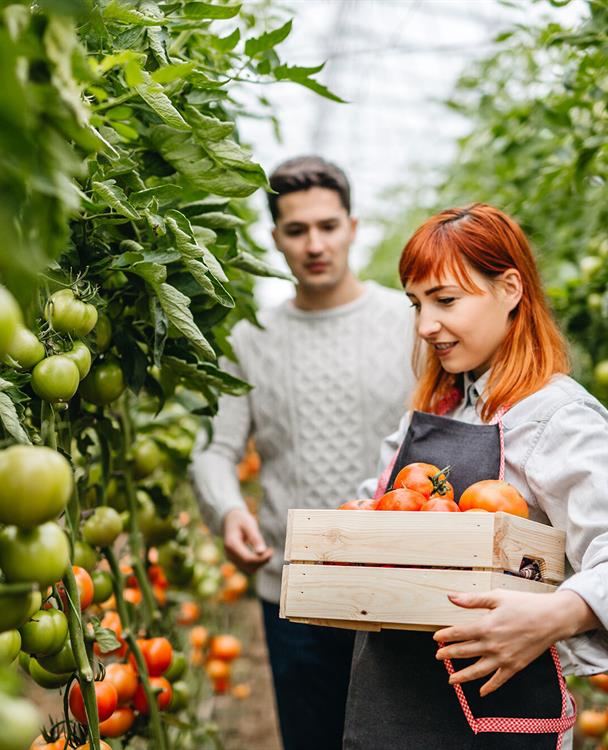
(493, 391)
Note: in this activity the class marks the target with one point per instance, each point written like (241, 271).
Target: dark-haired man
(331, 374)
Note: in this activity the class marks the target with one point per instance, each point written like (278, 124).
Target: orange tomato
(199, 635)
(124, 679)
(440, 505)
(363, 504)
(217, 669)
(593, 723)
(599, 681)
(227, 569)
(102, 745)
(494, 495)
(241, 691)
(401, 499)
(426, 479)
(163, 696)
(85, 588)
(119, 723)
(132, 595)
(234, 587)
(41, 744)
(225, 647)
(188, 614)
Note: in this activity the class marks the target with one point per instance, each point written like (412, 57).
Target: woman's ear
(512, 288)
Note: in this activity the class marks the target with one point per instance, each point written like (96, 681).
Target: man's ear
(354, 225)
(275, 234)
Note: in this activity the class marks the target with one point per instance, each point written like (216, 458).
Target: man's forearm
(217, 487)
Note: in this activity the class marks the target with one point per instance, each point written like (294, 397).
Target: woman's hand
(519, 627)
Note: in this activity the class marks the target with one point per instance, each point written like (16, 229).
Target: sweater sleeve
(567, 473)
(213, 465)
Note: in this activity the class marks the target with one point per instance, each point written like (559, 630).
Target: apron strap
(508, 724)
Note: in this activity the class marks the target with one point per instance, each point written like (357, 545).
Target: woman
(493, 391)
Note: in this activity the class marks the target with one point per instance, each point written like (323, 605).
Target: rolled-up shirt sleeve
(567, 473)
(213, 464)
(389, 446)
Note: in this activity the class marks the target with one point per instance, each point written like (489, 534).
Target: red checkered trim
(509, 724)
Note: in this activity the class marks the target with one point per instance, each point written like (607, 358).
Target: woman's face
(465, 328)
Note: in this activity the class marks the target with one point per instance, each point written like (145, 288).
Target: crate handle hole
(532, 568)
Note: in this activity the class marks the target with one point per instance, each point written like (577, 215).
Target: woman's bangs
(436, 256)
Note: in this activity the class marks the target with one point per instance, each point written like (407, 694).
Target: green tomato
(84, 556)
(155, 529)
(103, 334)
(102, 528)
(104, 384)
(177, 563)
(600, 372)
(177, 667)
(36, 484)
(180, 696)
(20, 722)
(63, 662)
(147, 456)
(81, 357)
(40, 555)
(25, 348)
(44, 633)
(55, 378)
(44, 677)
(103, 586)
(15, 609)
(10, 319)
(10, 645)
(70, 315)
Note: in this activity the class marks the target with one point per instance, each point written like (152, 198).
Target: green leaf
(267, 40)
(210, 10)
(199, 273)
(301, 75)
(169, 73)
(204, 375)
(10, 419)
(112, 195)
(226, 43)
(208, 129)
(153, 273)
(106, 639)
(219, 220)
(163, 193)
(154, 95)
(125, 13)
(248, 262)
(176, 306)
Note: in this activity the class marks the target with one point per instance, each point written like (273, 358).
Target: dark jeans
(311, 670)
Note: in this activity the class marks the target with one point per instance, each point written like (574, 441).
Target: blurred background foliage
(538, 149)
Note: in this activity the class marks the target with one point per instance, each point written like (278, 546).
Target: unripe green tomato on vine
(70, 315)
(102, 586)
(41, 676)
(20, 722)
(103, 334)
(36, 484)
(10, 319)
(81, 357)
(147, 456)
(102, 528)
(84, 556)
(44, 633)
(10, 645)
(63, 662)
(25, 348)
(17, 608)
(104, 384)
(39, 555)
(55, 378)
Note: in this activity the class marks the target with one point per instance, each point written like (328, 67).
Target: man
(331, 377)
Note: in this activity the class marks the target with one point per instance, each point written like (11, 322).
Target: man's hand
(243, 542)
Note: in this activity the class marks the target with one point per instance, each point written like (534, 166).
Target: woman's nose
(428, 325)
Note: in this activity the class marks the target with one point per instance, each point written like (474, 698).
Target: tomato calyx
(441, 486)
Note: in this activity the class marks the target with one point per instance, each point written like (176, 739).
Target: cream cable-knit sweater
(328, 386)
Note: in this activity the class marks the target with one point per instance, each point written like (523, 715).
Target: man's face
(314, 232)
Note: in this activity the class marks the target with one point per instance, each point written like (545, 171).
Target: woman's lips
(443, 350)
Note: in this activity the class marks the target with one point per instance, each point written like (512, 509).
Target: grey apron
(399, 696)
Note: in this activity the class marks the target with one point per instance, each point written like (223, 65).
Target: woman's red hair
(484, 238)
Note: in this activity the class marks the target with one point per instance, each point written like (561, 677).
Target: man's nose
(314, 244)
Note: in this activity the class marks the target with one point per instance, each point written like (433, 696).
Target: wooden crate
(370, 570)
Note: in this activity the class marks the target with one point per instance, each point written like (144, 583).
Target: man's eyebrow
(326, 220)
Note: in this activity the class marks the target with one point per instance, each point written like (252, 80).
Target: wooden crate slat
(518, 537)
(386, 596)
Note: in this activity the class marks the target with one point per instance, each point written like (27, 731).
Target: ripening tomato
(494, 495)
(426, 479)
(225, 647)
(401, 499)
(163, 696)
(119, 723)
(177, 667)
(25, 349)
(440, 505)
(199, 635)
(593, 722)
(157, 653)
(599, 681)
(55, 378)
(217, 669)
(87, 746)
(124, 679)
(36, 483)
(86, 589)
(189, 612)
(362, 504)
(68, 314)
(106, 697)
(40, 743)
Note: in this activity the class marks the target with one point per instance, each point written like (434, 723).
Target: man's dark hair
(303, 173)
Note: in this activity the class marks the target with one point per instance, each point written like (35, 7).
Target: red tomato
(426, 479)
(85, 585)
(494, 495)
(364, 504)
(157, 576)
(124, 679)
(225, 647)
(440, 505)
(118, 724)
(599, 681)
(107, 700)
(401, 499)
(163, 696)
(158, 653)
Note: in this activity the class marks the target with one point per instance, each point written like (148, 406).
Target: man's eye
(294, 232)
(328, 227)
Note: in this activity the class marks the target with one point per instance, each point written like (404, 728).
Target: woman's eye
(446, 300)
